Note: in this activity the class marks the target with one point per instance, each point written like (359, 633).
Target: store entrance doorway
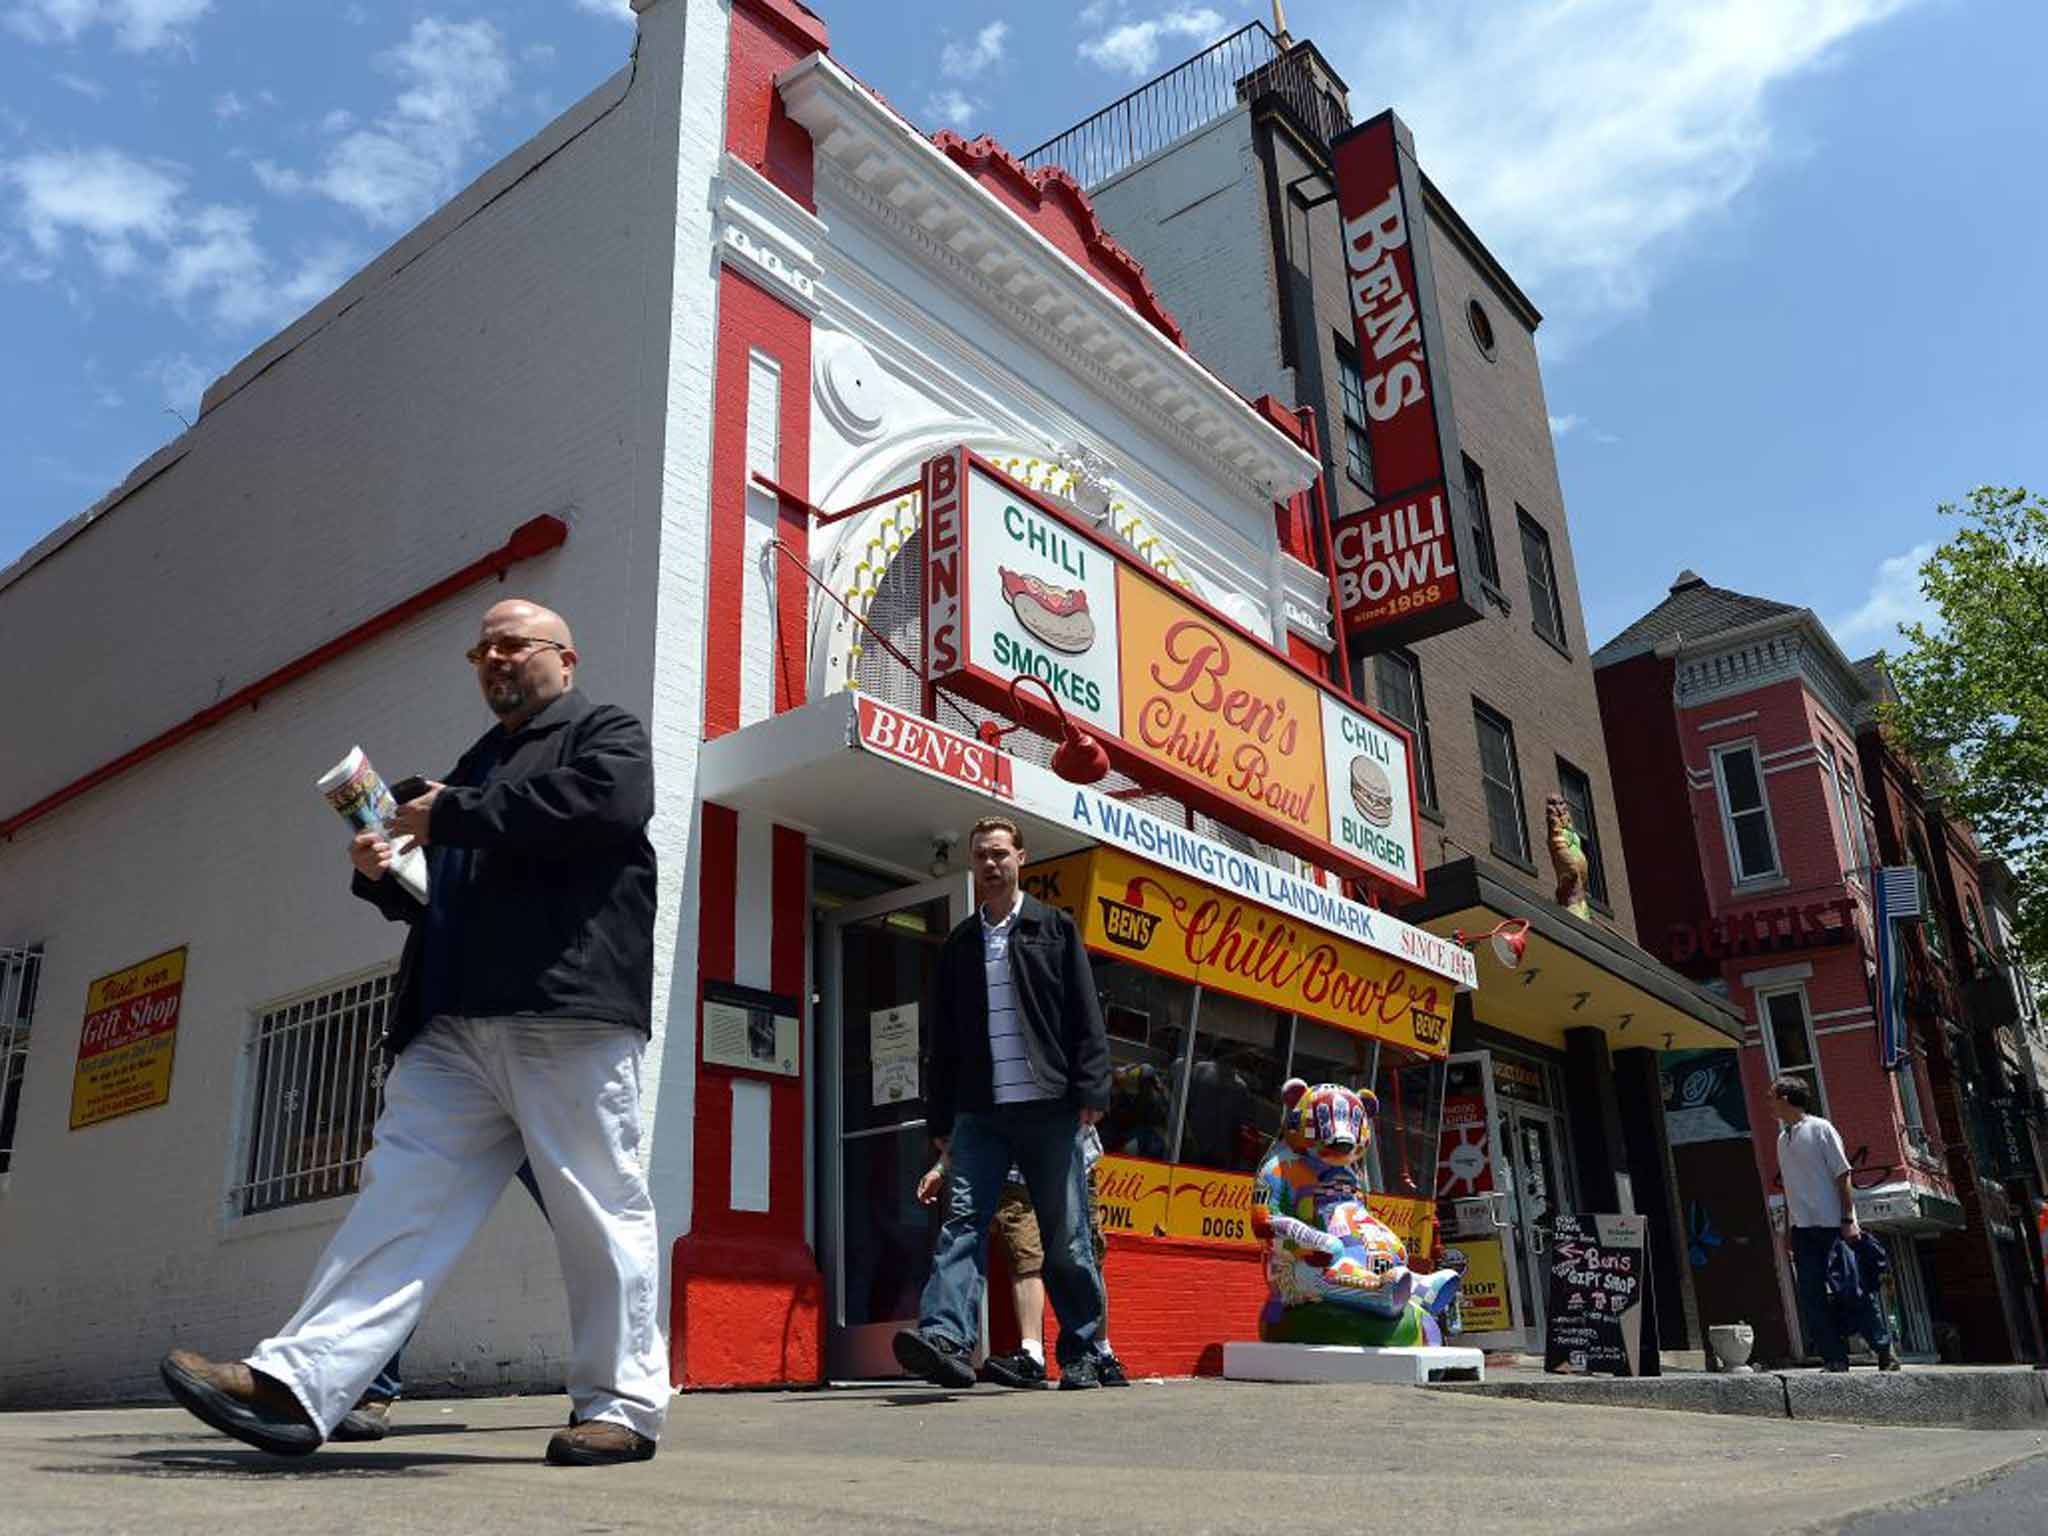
(1533, 1148)
(877, 960)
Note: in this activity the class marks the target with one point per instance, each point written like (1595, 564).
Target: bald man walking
(517, 1024)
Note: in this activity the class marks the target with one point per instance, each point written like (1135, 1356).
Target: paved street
(1182, 1457)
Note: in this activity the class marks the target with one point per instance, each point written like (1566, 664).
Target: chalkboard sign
(1599, 1282)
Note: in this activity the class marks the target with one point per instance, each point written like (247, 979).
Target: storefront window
(1146, 1018)
(1411, 1090)
(1326, 1055)
(1233, 1109)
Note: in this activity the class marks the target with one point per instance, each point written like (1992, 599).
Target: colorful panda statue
(1335, 1273)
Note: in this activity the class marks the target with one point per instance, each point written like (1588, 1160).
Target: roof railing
(1244, 66)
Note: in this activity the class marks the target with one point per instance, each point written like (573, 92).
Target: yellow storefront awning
(1133, 910)
(1573, 974)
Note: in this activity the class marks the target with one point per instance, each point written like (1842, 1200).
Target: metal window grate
(19, 969)
(316, 1076)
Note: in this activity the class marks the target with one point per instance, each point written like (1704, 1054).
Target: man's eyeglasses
(509, 648)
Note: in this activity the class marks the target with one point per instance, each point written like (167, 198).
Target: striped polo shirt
(1009, 1060)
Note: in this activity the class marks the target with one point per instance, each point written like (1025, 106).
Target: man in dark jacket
(1018, 1062)
(518, 1020)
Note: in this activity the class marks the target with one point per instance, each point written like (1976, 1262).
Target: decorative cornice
(1774, 650)
(962, 229)
(1305, 600)
(766, 234)
(985, 156)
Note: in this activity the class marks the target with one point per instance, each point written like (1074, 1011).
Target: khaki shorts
(1016, 1224)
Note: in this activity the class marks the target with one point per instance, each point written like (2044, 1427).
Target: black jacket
(1061, 1021)
(559, 917)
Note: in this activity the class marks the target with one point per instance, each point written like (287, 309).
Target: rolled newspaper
(358, 793)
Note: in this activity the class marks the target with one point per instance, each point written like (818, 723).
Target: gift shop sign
(1130, 910)
(1181, 699)
(1401, 561)
(128, 1040)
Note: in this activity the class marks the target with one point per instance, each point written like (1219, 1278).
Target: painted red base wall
(1172, 1306)
(740, 1316)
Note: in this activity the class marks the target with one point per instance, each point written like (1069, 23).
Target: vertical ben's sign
(128, 1040)
(1403, 561)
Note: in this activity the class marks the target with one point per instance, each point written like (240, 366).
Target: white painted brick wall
(1195, 215)
(497, 364)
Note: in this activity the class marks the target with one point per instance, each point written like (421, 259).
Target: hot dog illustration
(1057, 615)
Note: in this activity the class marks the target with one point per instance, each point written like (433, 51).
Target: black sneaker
(1109, 1370)
(1079, 1375)
(1018, 1370)
(934, 1358)
(1887, 1361)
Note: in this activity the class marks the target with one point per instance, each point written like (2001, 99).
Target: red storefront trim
(534, 537)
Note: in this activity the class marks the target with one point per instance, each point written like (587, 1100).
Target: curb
(1995, 1399)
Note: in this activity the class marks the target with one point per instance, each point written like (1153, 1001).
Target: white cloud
(228, 106)
(138, 25)
(538, 53)
(397, 167)
(1583, 140)
(1895, 598)
(92, 90)
(136, 224)
(1133, 48)
(617, 10)
(952, 109)
(340, 120)
(104, 197)
(963, 61)
(1562, 426)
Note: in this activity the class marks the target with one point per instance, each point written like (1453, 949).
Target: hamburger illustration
(1371, 792)
(1057, 615)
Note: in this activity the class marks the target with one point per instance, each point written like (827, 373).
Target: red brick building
(1733, 728)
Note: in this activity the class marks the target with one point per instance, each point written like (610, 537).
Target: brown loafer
(598, 1443)
(370, 1419)
(256, 1409)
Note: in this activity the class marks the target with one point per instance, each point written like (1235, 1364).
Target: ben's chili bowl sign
(1181, 698)
(1131, 910)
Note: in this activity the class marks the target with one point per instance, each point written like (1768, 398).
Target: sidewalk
(1975, 1397)
(1181, 1457)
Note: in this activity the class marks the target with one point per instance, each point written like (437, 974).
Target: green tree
(1973, 688)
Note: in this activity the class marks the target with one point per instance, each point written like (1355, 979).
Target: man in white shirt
(1019, 1063)
(1821, 1208)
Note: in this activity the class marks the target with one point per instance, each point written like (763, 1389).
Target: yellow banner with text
(1141, 1198)
(1129, 909)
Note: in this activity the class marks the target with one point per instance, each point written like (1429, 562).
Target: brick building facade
(1754, 771)
(1229, 200)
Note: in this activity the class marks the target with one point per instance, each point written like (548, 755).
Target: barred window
(19, 969)
(316, 1082)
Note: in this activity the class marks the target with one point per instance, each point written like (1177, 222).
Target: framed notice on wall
(751, 1030)
(128, 1040)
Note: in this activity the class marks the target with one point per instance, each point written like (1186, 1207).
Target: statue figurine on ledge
(1335, 1273)
(1567, 858)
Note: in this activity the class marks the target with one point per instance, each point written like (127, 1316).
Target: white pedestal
(1410, 1366)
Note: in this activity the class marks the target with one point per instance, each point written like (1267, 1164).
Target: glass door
(1534, 1148)
(878, 960)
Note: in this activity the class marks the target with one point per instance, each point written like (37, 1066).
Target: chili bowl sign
(1183, 700)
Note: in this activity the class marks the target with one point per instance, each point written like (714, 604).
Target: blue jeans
(1041, 1139)
(1826, 1315)
(390, 1382)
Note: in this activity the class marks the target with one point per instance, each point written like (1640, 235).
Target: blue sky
(1786, 248)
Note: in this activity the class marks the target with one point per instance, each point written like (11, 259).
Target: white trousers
(463, 1103)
